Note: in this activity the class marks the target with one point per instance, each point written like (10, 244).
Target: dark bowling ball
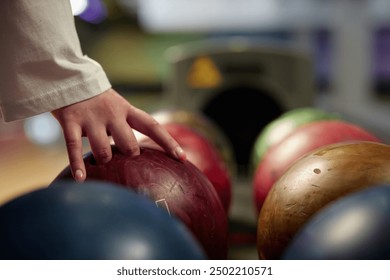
(312, 182)
(203, 155)
(179, 187)
(95, 220)
(355, 227)
(302, 140)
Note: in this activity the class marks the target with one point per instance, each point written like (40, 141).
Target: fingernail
(79, 176)
(180, 154)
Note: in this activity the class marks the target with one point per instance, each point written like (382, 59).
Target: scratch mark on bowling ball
(290, 205)
(175, 185)
(162, 203)
(303, 214)
(316, 186)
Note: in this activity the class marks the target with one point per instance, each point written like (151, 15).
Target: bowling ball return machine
(240, 84)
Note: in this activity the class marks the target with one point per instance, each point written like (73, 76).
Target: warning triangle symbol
(204, 73)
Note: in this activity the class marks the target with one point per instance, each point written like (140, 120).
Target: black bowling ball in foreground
(93, 220)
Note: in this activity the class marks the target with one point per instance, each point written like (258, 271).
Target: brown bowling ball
(320, 177)
(178, 187)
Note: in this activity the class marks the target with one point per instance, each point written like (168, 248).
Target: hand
(104, 115)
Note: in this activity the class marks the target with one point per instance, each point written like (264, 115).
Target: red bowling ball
(204, 125)
(303, 140)
(179, 187)
(204, 156)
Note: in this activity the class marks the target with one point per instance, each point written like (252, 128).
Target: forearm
(42, 66)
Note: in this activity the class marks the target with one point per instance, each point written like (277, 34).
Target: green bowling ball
(280, 127)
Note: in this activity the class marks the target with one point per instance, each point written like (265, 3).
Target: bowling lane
(25, 166)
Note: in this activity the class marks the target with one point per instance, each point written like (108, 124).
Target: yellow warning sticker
(204, 73)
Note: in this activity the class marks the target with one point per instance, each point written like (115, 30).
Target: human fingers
(124, 138)
(74, 146)
(146, 124)
(99, 142)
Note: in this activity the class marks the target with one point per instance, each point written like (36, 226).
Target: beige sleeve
(42, 66)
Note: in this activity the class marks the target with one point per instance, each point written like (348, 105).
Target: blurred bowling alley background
(255, 91)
